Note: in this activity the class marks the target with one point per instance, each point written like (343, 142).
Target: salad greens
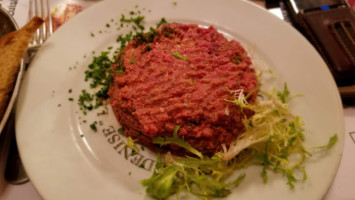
(273, 138)
(131, 143)
(203, 177)
(176, 140)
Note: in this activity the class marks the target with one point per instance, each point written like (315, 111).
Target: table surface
(341, 189)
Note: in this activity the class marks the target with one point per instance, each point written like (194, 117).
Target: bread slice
(12, 49)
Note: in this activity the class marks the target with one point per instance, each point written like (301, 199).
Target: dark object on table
(14, 171)
(332, 33)
(299, 7)
(272, 3)
(330, 26)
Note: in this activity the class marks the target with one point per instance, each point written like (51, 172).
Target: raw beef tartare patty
(181, 75)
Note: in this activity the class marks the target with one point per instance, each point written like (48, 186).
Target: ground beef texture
(181, 74)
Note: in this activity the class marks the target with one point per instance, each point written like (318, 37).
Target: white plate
(65, 159)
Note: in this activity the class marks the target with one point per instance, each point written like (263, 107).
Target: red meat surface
(182, 75)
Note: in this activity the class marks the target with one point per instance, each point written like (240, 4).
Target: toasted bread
(12, 49)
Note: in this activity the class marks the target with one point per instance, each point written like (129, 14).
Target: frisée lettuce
(273, 138)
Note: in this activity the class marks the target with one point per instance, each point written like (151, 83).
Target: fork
(40, 8)
(14, 172)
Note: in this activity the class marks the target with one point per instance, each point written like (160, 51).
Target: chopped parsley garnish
(93, 126)
(85, 101)
(237, 59)
(143, 38)
(136, 20)
(120, 70)
(147, 49)
(99, 74)
(99, 71)
(103, 112)
(132, 60)
(124, 39)
(162, 22)
(167, 31)
(121, 130)
(102, 93)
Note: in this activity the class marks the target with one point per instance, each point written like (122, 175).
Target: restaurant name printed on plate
(115, 139)
(100, 70)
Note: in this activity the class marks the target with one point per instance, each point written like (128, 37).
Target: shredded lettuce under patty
(273, 138)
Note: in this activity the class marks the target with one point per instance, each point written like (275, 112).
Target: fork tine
(45, 14)
(50, 25)
(41, 8)
(43, 28)
(34, 11)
